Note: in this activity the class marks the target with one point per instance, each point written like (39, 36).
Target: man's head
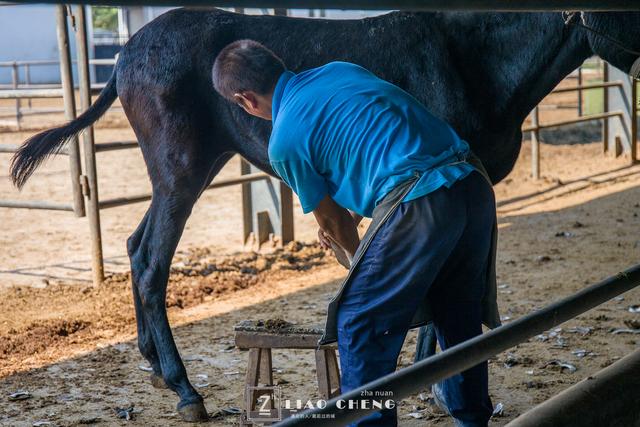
(246, 72)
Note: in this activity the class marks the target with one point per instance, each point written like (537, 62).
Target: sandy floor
(73, 346)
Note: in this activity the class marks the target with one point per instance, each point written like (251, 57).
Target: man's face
(255, 104)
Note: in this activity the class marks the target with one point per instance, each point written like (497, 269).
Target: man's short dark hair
(246, 65)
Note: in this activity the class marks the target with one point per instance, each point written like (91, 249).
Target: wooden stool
(259, 339)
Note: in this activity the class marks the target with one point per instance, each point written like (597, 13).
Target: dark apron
(490, 315)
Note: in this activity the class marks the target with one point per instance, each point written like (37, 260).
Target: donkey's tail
(40, 146)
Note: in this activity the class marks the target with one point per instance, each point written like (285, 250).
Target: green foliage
(105, 17)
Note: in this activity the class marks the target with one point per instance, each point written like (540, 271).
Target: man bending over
(351, 145)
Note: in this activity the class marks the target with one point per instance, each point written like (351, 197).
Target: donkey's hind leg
(145, 341)
(180, 164)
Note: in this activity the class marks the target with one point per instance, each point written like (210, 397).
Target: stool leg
(266, 367)
(266, 371)
(334, 373)
(322, 372)
(253, 375)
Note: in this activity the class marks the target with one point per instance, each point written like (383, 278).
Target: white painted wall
(28, 32)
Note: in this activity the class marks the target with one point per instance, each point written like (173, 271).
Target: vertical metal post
(90, 179)
(286, 195)
(247, 218)
(605, 108)
(27, 79)
(66, 77)
(15, 77)
(535, 144)
(286, 213)
(634, 121)
(580, 91)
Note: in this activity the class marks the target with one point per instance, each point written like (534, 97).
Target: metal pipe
(605, 108)
(15, 80)
(465, 355)
(27, 80)
(616, 83)
(13, 148)
(44, 62)
(90, 178)
(575, 120)
(580, 91)
(634, 121)
(116, 145)
(247, 202)
(31, 93)
(432, 5)
(589, 399)
(97, 86)
(127, 200)
(535, 144)
(257, 176)
(66, 76)
(35, 204)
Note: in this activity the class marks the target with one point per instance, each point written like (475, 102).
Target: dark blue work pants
(436, 246)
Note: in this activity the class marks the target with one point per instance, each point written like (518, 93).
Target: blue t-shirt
(339, 130)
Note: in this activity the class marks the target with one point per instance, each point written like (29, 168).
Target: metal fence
(83, 174)
(627, 98)
(23, 89)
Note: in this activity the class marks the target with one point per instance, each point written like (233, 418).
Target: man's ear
(248, 100)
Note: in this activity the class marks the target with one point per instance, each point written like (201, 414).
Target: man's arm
(338, 223)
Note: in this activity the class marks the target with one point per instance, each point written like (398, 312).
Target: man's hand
(324, 239)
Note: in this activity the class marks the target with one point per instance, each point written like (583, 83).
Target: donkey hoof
(157, 381)
(194, 412)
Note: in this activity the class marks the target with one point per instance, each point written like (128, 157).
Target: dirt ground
(72, 346)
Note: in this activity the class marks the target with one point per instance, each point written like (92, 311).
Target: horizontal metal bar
(113, 146)
(30, 93)
(407, 381)
(587, 87)
(9, 148)
(13, 148)
(502, 5)
(572, 121)
(127, 200)
(251, 177)
(94, 87)
(122, 201)
(35, 204)
(33, 112)
(44, 62)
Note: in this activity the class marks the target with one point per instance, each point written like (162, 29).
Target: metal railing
(463, 356)
(535, 127)
(26, 90)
